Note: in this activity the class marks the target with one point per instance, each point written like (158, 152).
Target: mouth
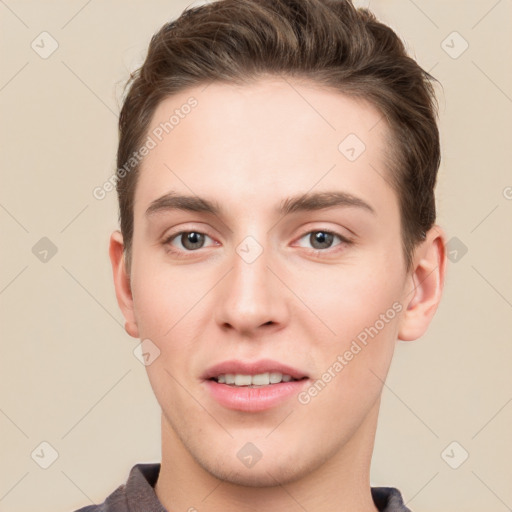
(253, 386)
(254, 381)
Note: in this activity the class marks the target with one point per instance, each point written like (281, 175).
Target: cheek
(171, 309)
(165, 297)
(350, 299)
(352, 366)
(362, 311)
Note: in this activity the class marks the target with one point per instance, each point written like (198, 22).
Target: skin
(250, 147)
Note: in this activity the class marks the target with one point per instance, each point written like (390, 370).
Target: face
(298, 270)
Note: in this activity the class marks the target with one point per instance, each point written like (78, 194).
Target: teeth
(261, 379)
(243, 380)
(275, 377)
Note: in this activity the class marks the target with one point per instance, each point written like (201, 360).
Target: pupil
(192, 240)
(323, 238)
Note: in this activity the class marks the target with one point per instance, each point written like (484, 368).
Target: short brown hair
(329, 42)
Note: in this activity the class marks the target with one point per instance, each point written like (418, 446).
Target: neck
(340, 484)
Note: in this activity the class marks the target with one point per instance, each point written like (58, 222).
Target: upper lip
(252, 368)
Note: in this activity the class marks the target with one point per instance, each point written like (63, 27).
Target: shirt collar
(141, 496)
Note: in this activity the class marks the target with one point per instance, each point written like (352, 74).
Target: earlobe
(428, 273)
(122, 283)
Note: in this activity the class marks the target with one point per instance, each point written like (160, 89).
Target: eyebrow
(298, 203)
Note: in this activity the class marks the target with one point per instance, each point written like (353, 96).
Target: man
(276, 172)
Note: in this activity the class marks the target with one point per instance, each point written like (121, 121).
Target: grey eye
(190, 240)
(321, 239)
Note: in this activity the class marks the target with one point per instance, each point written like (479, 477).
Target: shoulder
(138, 491)
(115, 502)
(388, 499)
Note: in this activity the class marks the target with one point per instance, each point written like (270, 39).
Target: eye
(322, 239)
(186, 241)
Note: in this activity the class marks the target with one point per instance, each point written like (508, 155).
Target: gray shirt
(138, 495)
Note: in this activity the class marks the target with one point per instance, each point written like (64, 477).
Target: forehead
(262, 141)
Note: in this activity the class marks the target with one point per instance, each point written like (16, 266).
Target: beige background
(68, 373)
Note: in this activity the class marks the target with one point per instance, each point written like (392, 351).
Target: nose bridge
(250, 296)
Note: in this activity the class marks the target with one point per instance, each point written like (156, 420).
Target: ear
(427, 282)
(122, 283)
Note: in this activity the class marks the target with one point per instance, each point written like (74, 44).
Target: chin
(262, 477)
(265, 473)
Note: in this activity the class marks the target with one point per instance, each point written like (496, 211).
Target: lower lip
(247, 399)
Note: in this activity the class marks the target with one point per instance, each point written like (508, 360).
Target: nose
(251, 299)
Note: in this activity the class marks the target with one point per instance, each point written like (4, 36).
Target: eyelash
(315, 252)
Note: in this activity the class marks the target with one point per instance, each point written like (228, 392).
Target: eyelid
(172, 236)
(344, 241)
